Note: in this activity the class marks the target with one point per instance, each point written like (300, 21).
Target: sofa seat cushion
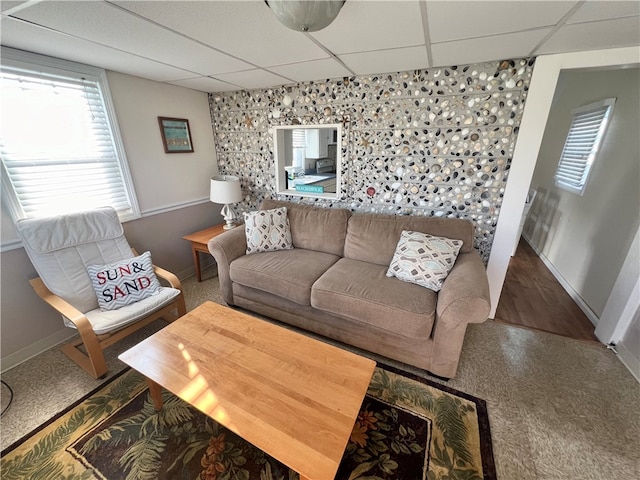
(361, 291)
(285, 273)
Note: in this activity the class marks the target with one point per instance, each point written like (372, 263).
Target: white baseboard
(191, 271)
(630, 361)
(593, 318)
(30, 351)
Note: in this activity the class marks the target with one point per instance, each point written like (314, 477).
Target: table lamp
(225, 190)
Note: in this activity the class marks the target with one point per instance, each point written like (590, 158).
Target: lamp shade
(306, 15)
(225, 189)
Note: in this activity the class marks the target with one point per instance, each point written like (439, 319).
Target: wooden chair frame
(93, 361)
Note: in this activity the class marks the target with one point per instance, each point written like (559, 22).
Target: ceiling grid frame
(380, 37)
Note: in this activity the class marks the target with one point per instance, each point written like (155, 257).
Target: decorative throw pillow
(123, 283)
(423, 259)
(267, 230)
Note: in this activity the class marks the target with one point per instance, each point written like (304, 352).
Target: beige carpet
(558, 408)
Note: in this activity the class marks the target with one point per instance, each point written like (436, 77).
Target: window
(299, 140)
(59, 143)
(587, 130)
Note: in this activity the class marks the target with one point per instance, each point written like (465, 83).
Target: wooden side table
(199, 241)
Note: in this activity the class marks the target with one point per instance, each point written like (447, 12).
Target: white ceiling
(217, 46)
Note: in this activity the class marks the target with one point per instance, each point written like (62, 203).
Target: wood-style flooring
(533, 298)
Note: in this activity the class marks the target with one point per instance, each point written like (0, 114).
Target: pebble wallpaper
(434, 142)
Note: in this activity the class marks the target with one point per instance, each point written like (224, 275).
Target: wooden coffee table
(291, 396)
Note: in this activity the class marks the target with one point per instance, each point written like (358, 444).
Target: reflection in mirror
(308, 159)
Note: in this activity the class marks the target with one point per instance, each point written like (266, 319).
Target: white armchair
(60, 249)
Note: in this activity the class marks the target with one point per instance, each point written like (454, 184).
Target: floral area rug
(408, 429)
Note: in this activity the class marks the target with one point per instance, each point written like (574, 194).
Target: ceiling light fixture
(305, 15)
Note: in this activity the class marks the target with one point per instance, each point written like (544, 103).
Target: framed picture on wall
(176, 136)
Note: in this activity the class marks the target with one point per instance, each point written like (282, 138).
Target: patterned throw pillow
(423, 259)
(267, 230)
(123, 283)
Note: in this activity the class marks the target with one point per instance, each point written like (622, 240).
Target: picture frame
(176, 135)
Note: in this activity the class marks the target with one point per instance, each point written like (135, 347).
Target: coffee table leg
(156, 394)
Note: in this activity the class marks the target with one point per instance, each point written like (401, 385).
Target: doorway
(542, 88)
(578, 238)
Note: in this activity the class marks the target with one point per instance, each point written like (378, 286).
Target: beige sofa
(333, 283)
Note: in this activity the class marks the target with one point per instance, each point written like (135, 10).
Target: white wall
(586, 237)
(629, 347)
(172, 191)
(624, 301)
(163, 179)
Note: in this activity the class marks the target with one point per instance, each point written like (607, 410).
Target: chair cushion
(423, 259)
(267, 231)
(112, 320)
(48, 234)
(361, 291)
(123, 283)
(288, 273)
(61, 247)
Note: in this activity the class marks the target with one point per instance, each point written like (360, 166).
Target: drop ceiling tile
(498, 47)
(367, 26)
(469, 19)
(253, 79)
(8, 5)
(592, 11)
(364, 34)
(622, 32)
(25, 36)
(313, 70)
(108, 25)
(244, 29)
(205, 84)
(383, 61)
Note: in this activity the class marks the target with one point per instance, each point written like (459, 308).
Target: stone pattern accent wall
(435, 142)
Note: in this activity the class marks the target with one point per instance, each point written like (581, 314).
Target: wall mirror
(308, 160)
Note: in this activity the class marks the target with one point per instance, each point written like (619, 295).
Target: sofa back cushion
(373, 237)
(312, 228)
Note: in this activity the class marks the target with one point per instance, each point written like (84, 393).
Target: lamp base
(229, 217)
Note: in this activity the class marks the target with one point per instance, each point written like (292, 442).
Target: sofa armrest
(225, 248)
(464, 297)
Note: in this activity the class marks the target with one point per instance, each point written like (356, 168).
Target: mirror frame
(278, 150)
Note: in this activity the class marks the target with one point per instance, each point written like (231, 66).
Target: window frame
(567, 166)
(40, 63)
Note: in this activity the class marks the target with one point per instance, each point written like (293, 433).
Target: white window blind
(58, 149)
(585, 135)
(299, 137)
(299, 140)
